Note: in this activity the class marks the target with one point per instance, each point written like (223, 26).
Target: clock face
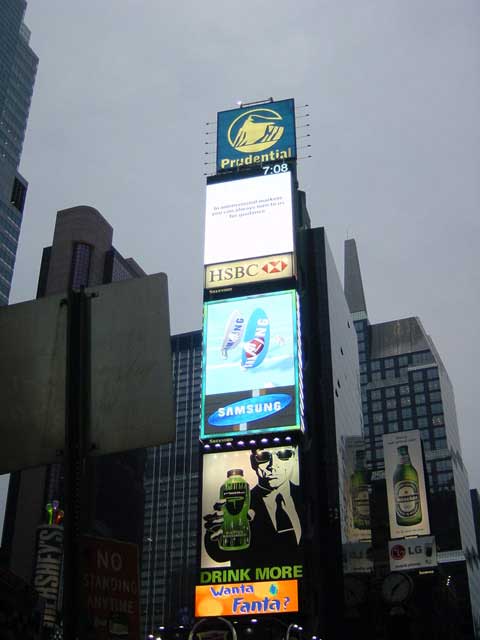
(355, 591)
(397, 587)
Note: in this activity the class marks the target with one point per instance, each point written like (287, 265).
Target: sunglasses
(266, 456)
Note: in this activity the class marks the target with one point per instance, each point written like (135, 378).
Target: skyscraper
(406, 387)
(171, 500)
(18, 67)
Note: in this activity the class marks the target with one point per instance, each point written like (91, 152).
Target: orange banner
(244, 598)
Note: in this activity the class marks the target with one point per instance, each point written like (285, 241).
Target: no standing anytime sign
(110, 589)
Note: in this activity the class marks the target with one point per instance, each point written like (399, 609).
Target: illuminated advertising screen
(252, 515)
(405, 478)
(250, 366)
(256, 135)
(246, 598)
(228, 274)
(249, 218)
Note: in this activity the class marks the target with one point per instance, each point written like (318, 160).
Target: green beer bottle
(359, 492)
(236, 527)
(406, 490)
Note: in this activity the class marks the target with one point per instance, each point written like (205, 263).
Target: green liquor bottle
(359, 492)
(408, 509)
(236, 527)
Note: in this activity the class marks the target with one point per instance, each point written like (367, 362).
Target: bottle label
(407, 499)
(361, 502)
(235, 498)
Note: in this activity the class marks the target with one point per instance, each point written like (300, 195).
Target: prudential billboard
(256, 135)
(250, 372)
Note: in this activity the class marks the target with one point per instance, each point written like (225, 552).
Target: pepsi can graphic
(234, 329)
(256, 340)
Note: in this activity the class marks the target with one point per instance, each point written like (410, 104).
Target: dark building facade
(18, 67)
(406, 387)
(81, 255)
(171, 500)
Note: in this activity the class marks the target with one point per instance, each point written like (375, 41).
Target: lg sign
(245, 271)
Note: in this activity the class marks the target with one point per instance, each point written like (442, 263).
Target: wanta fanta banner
(246, 598)
(256, 135)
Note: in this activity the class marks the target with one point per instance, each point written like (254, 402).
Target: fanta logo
(249, 410)
(255, 130)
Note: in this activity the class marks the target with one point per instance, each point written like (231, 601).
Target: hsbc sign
(247, 271)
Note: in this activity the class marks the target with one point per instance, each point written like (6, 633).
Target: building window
(422, 411)
(434, 384)
(406, 413)
(390, 373)
(363, 378)
(404, 389)
(419, 387)
(392, 427)
(391, 404)
(403, 360)
(403, 371)
(417, 376)
(441, 443)
(376, 406)
(407, 425)
(378, 429)
(405, 401)
(390, 392)
(420, 398)
(437, 407)
(375, 365)
(376, 394)
(436, 420)
(422, 423)
(377, 375)
(80, 268)
(436, 396)
(432, 373)
(391, 415)
(377, 417)
(388, 363)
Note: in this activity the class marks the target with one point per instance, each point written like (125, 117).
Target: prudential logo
(255, 130)
(249, 410)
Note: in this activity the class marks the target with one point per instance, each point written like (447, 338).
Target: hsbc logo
(245, 271)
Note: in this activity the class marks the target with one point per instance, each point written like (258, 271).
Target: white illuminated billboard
(248, 218)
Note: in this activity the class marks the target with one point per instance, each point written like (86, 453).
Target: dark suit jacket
(267, 547)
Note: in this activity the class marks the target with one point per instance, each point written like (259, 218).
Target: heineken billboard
(257, 134)
(250, 366)
(405, 478)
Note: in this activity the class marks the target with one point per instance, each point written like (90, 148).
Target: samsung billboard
(256, 135)
(249, 217)
(250, 366)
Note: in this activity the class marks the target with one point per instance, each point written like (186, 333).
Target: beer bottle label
(407, 499)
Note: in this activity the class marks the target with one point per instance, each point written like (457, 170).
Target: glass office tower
(171, 500)
(18, 68)
(405, 386)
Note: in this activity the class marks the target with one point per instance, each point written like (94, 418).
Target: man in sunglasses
(275, 525)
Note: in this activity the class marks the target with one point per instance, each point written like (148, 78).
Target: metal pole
(76, 423)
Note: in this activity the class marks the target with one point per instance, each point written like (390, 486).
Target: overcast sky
(125, 87)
